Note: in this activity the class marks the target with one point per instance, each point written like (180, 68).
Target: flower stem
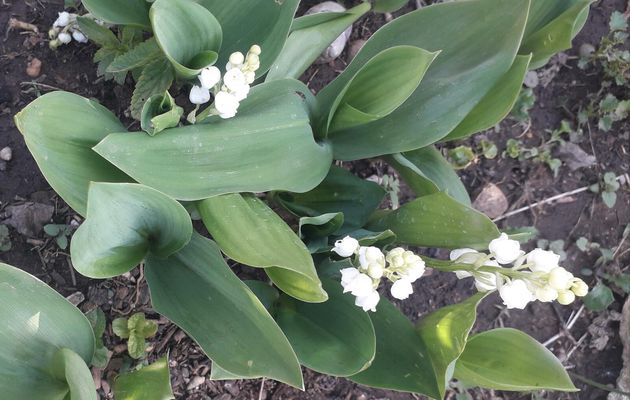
(451, 266)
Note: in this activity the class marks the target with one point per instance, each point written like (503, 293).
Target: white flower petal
(226, 103)
(401, 289)
(64, 37)
(369, 301)
(199, 95)
(560, 279)
(542, 260)
(346, 247)
(504, 249)
(209, 77)
(516, 294)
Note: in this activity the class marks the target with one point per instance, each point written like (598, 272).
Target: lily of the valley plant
(255, 140)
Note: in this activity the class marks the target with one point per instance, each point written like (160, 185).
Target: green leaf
(426, 172)
(188, 34)
(160, 112)
(402, 360)
(60, 129)
(120, 12)
(120, 327)
(550, 28)
(125, 221)
(320, 226)
(68, 366)
(609, 198)
(62, 242)
(251, 233)
(496, 104)
(41, 323)
(369, 238)
(388, 6)
(319, 31)
(271, 132)
(136, 345)
(142, 326)
(508, 359)
(267, 294)
(377, 89)
(267, 24)
(99, 34)
(335, 338)
(152, 382)
(447, 330)
(139, 56)
(217, 373)
(196, 290)
(618, 21)
(52, 229)
(474, 56)
(341, 192)
(155, 79)
(98, 322)
(437, 220)
(599, 298)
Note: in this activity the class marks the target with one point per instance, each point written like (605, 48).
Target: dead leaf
(29, 218)
(574, 157)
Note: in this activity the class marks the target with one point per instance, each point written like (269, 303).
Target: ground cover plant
(255, 167)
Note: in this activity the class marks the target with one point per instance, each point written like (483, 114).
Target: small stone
(76, 298)
(232, 388)
(354, 48)
(6, 154)
(491, 201)
(531, 79)
(34, 68)
(195, 383)
(586, 50)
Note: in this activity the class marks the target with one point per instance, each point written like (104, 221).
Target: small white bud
(255, 49)
(359, 285)
(250, 77)
(235, 80)
(209, 77)
(485, 281)
(346, 247)
(546, 294)
(401, 289)
(560, 279)
(64, 37)
(369, 301)
(199, 95)
(237, 58)
(579, 288)
(79, 36)
(62, 20)
(368, 255)
(375, 270)
(542, 260)
(566, 297)
(504, 249)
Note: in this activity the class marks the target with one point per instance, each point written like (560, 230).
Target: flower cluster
(233, 88)
(64, 29)
(400, 266)
(533, 276)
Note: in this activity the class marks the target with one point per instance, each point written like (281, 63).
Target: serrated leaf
(136, 345)
(120, 328)
(139, 56)
(156, 78)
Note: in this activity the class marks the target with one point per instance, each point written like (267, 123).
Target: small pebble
(76, 298)
(531, 79)
(355, 46)
(196, 382)
(6, 154)
(34, 68)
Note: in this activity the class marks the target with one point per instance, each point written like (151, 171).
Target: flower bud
(546, 294)
(237, 58)
(346, 247)
(504, 249)
(369, 301)
(375, 270)
(542, 260)
(226, 104)
(64, 37)
(255, 49)
(395, 257)
(516, 294)
(62, 20)
(209, 77)
(368, 255)
(579, 288)
(250, 77)
(360, 285)
(565, 297)
(464, 256)
(199, 95)
(401, 289)
(560, 279)
(485, 281)
(79, 36)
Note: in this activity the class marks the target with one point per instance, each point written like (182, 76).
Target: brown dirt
(70, 68)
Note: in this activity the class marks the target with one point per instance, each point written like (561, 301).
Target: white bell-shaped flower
(485, 281)
(369, 255)
(401, 289)
(358, 284)
(505, 250)
(395, 257)
(242, 93)
(346, 247)
(79, 36)
(62, 20)
(542, 260)
(369, 301)
(375, 270)
(235, 80)
(560, 279)
(64, 37)
(226, 104)
(516, 294)
(199, 95)
(209, 77)
(465, 256)
(237, 58)
(545, 294)
(414, 268)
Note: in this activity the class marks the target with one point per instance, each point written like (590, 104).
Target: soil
(590, 352)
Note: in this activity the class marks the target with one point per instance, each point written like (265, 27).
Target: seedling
(135, 329)
(608, 188)
(60, 232)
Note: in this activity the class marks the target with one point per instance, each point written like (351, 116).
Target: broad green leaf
(41, 323)
(369, 238)
(99, 34)
(139, 56)
(271, 132)
(196, 290)
(599, 298)
(388, 6)
(335, 338)
(315, 230)
(426, 171)
(60, 129)
(508, 359)
(447, 329)
(218, 373)
(155, 78)
(402, 360)
(378, 88)
(98, 322)
(319, 31)
(68, 366)
(124, 222)
(188, 34)
(251, 233)
(160, 112)
(473, 57)
(436, 220)
(120, 12)
(341, 192)
(551, 27)
(249, 22)
(267, 294)
(152, 382)
(496, 104)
